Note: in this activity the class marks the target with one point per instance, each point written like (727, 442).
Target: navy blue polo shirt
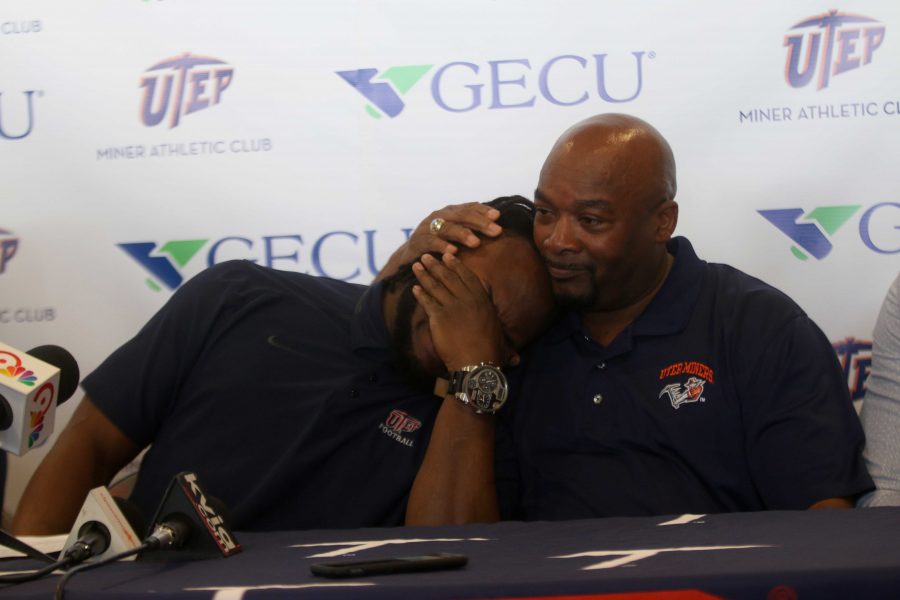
(278, 390)
(722, 396)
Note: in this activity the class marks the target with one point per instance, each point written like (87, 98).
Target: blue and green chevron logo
(384, 91)
(810, 231)
(166, 263)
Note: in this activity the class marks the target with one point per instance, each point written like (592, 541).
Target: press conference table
(771, 556)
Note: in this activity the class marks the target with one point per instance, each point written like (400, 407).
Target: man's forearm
(51, 501)
(88, 453)
(833, 503)
(455, 483)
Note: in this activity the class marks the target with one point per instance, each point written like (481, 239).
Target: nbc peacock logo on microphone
(12, 366)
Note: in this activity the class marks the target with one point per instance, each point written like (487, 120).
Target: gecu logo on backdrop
(811, 231)
(511, 83)
(28, 107)
(17, 28)
(842, 42)
(166, 261)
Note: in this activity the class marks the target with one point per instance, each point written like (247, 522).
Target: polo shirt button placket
(598, 397)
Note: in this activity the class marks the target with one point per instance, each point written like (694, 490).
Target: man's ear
(667, 219)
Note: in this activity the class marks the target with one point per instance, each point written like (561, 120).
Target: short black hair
(516, 215)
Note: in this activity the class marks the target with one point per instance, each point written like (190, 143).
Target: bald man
(671, 385)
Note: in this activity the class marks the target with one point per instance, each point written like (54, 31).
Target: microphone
(189, 524)
(105, 526)
(32, 384)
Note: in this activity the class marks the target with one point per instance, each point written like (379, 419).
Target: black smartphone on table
(386, 566)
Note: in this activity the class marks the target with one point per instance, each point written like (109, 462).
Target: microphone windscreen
(65, 362)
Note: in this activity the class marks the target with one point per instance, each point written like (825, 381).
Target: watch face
(487, 389)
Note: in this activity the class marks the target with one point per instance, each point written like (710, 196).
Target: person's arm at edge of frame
(88, 453)
(455, 483)
(880, 414)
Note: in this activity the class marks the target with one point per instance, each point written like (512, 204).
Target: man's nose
(563, 237)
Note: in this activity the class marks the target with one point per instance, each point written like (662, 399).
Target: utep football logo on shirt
(199, 82)
(397, 423)
(839, 43)
(690, 391)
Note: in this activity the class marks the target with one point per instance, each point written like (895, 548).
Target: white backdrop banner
(142, 141)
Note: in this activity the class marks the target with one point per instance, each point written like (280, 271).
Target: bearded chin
(577, 300)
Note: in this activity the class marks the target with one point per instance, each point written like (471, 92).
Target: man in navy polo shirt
(298, 401)
(672, 385)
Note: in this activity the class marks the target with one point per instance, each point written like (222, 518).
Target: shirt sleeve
(804, 440)
(881, 407)
(137, 385)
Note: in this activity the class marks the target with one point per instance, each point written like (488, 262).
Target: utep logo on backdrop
(8, 247)
(812, 234)
(29, 108)
(198, 82)
(166, 268)
(325, 254)
(839, 43)
(510, 83)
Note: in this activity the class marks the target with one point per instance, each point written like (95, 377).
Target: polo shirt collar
(671, 308)
(368, 329)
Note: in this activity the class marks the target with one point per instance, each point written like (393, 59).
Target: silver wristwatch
(482, 387)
